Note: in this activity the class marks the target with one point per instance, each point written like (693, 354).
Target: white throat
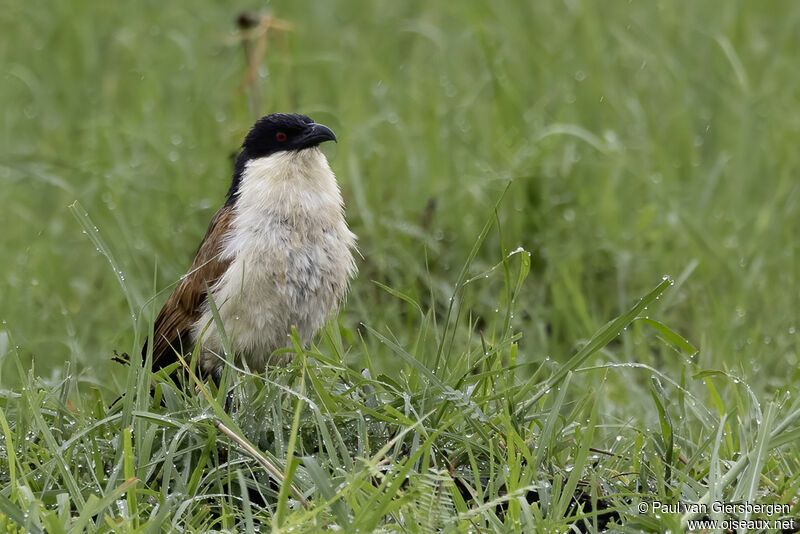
(295, 185)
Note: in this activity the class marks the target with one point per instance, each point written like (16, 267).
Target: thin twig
(253, 33)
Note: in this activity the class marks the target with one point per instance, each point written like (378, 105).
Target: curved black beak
(316, 134)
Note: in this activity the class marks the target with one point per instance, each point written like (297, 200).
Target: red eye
(280, 137)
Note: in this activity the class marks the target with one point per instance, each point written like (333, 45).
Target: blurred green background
(640, 139)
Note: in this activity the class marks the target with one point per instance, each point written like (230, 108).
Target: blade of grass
(547, 432)
(12, 455)
(670, 335)
(748, 485)
(130, 470)
(249, 525)
(96, 505)
(598, 341)
(462, 276)
(657, 392)
(93, 233)
(587, 440)
(60, 461)
(323, 484)
(740, 464)
(13, 512)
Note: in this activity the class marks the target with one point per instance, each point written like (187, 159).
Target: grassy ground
(519, 174)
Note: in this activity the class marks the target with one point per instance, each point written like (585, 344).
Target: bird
(278, 254)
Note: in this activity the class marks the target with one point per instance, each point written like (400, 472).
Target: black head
(278, 132)
(282, 131)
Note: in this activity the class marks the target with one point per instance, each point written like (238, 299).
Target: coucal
(277, 254)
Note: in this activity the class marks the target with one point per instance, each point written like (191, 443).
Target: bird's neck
(293, 186)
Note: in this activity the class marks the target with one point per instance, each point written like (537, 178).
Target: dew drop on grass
(618, 438)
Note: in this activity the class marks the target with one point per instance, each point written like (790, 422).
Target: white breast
(291, 258)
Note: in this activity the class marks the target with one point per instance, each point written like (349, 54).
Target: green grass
(469, 385)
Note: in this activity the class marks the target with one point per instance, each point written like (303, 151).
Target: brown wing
(183, 308)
